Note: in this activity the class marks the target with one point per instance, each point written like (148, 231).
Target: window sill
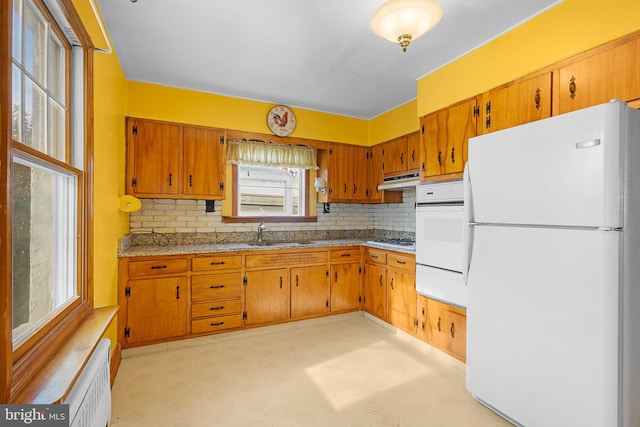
(56, 378)
(239, 219)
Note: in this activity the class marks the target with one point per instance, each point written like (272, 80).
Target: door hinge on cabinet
(134, 130)
(127, 332)
(488, 107)
(327, 303)
(359, 270)
(487, 123)
(134, 182)
(415, 322)
(476, 111)
(222, 185)
(244, 315)
(221, 139)
(245, 280)
(359, 299)
(127, 291)
(423, 129)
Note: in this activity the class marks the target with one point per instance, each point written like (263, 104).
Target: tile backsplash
(189, 216)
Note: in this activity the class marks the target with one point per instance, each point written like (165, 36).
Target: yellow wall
(187, 106)
(399, 121)
(564, 30)
(109, 152)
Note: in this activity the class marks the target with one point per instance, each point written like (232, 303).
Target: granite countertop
(193, 249)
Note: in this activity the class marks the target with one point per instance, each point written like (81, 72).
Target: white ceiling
(315, 54)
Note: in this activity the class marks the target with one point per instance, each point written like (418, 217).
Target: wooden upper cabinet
(413, 152)
(516, 103)
(374, 173)
(601, 77)
(174, 161)
(445, 135)
(204, 154)
(154, 156)
(401, 155)
(348, 173)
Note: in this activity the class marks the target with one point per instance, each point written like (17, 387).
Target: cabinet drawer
(217, 262)
(157, 266)
(345, 255)
(218, 323)
(375, 255)
(216, 308)
(216, 286)
(402, 262)
(275, 259)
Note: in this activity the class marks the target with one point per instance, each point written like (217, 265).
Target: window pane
(17, 30)
(269, 191)
(56, 123)
(35, 39)
(35, 126)
(56, 68)
(16, 104)
(44, 246)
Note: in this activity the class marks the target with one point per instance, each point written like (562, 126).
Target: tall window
(270, 191)
(47, 168)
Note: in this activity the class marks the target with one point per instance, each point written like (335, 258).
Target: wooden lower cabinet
(266, 297)
(375, 290)
(346, 279)
(309, 291)
(216, 302)
(401, 300)
(156, 309)
(443, 326)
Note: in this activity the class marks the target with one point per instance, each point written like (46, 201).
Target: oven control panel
(440, 192)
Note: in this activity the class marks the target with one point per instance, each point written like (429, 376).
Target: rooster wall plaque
(281, 120)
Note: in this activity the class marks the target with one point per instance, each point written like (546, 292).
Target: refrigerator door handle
(467, 227)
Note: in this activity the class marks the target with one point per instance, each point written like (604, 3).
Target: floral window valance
(255, 152)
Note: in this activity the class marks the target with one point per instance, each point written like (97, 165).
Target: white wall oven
(439, 242)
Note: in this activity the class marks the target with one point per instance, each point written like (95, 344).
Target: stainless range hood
(400, 182)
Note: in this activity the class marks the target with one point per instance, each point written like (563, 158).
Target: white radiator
(90, 398)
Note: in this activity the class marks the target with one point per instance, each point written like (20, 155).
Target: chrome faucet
(261, 228)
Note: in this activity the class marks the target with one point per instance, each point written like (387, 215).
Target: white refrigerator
(553, 269)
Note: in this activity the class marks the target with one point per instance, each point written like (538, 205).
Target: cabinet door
(154, 158)
(267, 296)
(601, 78)
(413, 152)
(156, 309)
(445, 136)
(374, 175)
(421, 312)
(394, 156)
(309, 291)
(456, 328)
(516, 104)
(345, 287)
(375, 285)
(401, 300)
(204, 166)
(360, 179)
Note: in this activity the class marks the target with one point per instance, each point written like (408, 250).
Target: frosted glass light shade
(405, 20)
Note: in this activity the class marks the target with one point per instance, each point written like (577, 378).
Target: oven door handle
(467, 225)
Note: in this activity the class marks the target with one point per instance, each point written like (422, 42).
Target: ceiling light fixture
(403, 21)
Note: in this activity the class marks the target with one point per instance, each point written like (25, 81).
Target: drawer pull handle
(216, 324)
(392, 283)
(216, 286)
(374, 256)
(453, 330)
(217, 263)
(158, 267)
(401, 262)
(177, 292)
(381, 280)
(347, 255)
(439, 325)
(217, 308)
